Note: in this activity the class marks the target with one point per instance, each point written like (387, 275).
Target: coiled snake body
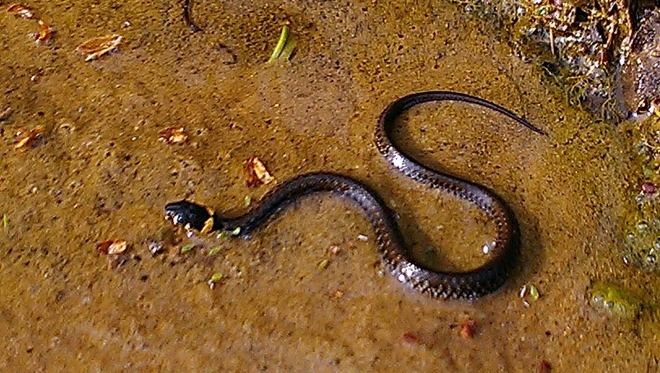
(448, 285)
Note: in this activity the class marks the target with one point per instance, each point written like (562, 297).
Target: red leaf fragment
(257, 172)
(468, 328)
(173, 135)
(410, 337)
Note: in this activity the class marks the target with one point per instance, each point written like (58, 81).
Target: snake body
(472, 284)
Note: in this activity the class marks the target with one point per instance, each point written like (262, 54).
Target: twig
(186, 17)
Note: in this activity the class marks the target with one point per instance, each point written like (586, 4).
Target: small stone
(545, 367)
(649, 188)
(334, 250)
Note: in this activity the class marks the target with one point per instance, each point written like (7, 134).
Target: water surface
(98, 172)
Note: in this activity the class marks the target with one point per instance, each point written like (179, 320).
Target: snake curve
(472, 284)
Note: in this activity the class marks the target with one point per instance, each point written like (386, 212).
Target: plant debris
(156, 247)
(112, 247)
(410, 337)
(545, 367)
(5, 114)
(334, 250)
(25, 12)
(173, 135)
(533, 292)
(44, 34)
(288, 50)
(21, 11)
(284, 36)
(285, 46)
(529, 292)
(27, 139)
(467, 329)
(5, 221)
(215, 278)
(187, 248)
(257, 172)
(97, 47)
(214, 251)
(186, 17)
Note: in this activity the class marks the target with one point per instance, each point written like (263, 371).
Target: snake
(502, 253)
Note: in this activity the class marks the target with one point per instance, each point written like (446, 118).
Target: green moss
(615, 301)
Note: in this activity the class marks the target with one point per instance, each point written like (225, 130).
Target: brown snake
(471, 284)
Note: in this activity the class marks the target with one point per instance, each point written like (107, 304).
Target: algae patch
(615, 301)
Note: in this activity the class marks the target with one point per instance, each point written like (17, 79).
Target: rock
(640, 74)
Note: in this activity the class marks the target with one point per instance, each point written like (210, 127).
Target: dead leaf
(468, 328)
(112, 247)
(97, 47)
(27, 139)
(44, 33)
(257, 172)
(21, 11)
(173, 135)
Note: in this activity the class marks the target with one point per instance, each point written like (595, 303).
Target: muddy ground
(98, 172)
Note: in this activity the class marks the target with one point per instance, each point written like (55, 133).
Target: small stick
(186, 17)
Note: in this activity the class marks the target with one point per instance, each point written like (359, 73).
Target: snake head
(189, 215)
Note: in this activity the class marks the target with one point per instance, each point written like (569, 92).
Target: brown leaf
(257, 172)
(21, 11)
(112, 247)
(27, 139)
(44, 33)
(468, 328)
(96, 47)
(173, 135)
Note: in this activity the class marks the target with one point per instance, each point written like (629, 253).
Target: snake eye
(187, 214)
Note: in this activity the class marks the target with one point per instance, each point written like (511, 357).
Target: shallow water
(98, 172)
